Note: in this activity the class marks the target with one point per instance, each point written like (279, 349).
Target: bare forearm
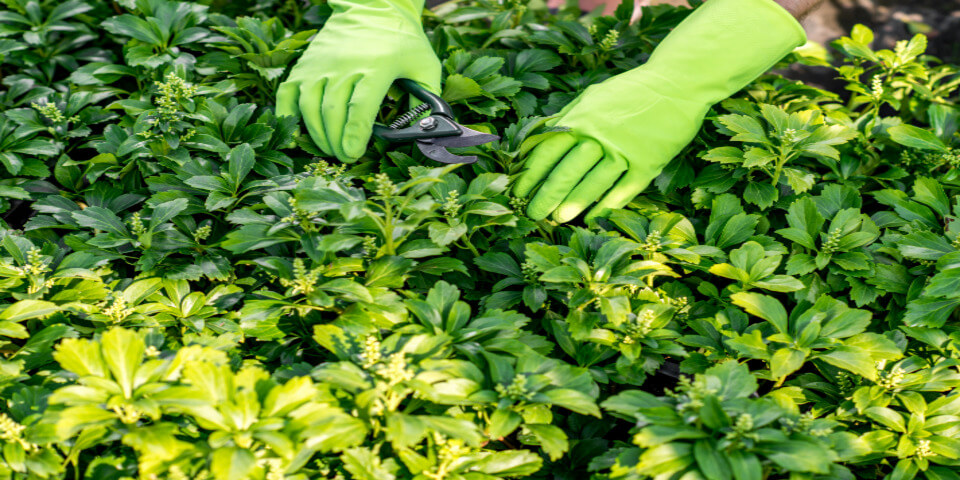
(799, 8)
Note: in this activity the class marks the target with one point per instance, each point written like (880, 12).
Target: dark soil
(892, 20)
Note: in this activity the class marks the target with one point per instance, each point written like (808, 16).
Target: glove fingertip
(536, 213)
(565, 213)
(596, 213)
(523, 186)
(354, 147)
(288, 96)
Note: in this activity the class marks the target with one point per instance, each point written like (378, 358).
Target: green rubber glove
(624, 130)
(339, 82)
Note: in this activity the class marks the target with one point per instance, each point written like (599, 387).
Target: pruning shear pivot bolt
(434, 133)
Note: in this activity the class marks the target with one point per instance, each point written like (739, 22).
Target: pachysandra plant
(189, 289)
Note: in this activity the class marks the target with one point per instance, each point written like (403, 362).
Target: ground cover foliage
(188, 291)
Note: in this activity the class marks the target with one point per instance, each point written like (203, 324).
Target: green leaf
(665, 459)
(498, 262)
(737, 230)
(734, 378)
(887, 417)
(712, 414)
(785, 361)
(363, 464)
(944, 284)
(509, 463)
(166, 211)
(231, 463)
(454, 428)
(551, 438)
(800, 181)
(404, 430)
(760, 194)
(730, 155)
(503, 422)
(134, 27)
(929, 192)
(562, 274)
(141, 289)
(930, 312)
(240, 162)
(800, 456)
(726, 270)
(805, 223)
(924, 246)
(457, 87)
(747, 129)
(851, 359)
(906, 469)
(755, 157)
(444, 234)
(573, 400)
(745, 466)
(80, 356)
(73, 419)
(713, 465)
(100, 218)
(337, 242)
(767, 308)
(122, 353)
(209, 183)
(915, 137)
(284, 398)
(780, 283)
(28, 309)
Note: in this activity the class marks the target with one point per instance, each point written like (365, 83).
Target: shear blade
(436, 148)
(467, 138)
(440, 153)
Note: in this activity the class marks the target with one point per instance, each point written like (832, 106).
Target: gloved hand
(339, 82)
(624, 130)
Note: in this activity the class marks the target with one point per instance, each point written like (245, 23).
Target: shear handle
(437, 105)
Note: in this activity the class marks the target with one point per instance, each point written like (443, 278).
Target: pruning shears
(435, 132)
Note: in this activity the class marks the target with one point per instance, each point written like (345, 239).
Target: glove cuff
(722, 47)
(387, 11)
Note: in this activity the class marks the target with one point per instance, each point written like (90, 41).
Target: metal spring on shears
(406, 118)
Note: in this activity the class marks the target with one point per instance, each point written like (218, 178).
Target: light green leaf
(800, 181)
(731, 155)
(80, 356)
(123, 352)
(27, 309)
(665, 459)
(232, 463)
(551, 438)
(786, 361)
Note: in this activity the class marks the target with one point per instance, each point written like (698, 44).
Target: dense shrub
(189, 292)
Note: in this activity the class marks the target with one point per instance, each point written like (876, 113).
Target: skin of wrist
(799, 8)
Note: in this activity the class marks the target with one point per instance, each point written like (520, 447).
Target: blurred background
(892, 20)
